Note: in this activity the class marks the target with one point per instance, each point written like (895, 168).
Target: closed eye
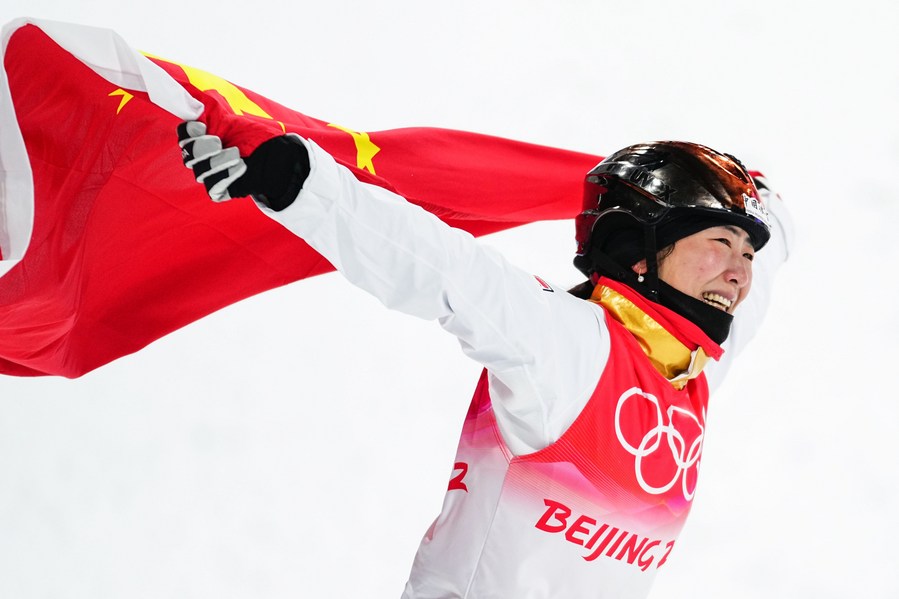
(748, 255)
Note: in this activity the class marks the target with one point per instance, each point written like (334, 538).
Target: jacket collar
(677, 348)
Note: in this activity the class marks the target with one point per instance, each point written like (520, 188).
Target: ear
(640, 267)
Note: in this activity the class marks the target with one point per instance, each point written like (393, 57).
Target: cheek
(710, 266)
(683, 275)
(698, 269)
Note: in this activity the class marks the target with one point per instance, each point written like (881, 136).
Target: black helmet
(652, 194)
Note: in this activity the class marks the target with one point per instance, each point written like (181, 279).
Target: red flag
(124, 247)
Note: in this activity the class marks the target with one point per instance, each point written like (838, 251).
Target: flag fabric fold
(106, 241)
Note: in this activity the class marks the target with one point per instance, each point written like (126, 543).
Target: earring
(640, 278)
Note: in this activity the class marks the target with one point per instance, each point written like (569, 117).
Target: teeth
(719, 301)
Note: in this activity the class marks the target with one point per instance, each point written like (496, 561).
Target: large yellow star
(236, 99)
(365, 148)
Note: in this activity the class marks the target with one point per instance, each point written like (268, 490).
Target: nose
(739, 271)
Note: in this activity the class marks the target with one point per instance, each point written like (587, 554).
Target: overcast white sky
(298, 444)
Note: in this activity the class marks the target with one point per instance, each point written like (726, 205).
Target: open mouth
(718, 301)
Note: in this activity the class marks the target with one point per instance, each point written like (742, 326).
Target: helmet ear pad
(618, 230)
(619, 237)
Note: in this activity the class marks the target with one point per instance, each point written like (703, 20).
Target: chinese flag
(107, 241)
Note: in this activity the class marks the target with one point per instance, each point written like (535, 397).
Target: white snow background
(298, 444)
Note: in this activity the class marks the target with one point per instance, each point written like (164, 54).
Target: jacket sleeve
(749, 315)
(544, 350)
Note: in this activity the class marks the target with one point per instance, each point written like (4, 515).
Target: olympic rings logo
(684, 456)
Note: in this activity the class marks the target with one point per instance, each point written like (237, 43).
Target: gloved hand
(273, 174)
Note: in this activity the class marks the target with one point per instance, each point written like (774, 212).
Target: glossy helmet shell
(651, 183)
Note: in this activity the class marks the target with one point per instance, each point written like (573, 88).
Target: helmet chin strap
(650, 278)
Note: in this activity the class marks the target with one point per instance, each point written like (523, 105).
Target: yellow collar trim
(674, 360)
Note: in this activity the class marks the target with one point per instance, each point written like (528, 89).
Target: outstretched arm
(544, 349)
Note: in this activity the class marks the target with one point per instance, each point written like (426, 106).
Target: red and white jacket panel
(594, 514)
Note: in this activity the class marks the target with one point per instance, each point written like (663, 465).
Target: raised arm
(544, 348)
(750, 314)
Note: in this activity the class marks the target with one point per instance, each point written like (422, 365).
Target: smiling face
(713, 266)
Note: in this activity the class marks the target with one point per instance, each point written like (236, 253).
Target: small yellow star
(126, 97)
(365, 148)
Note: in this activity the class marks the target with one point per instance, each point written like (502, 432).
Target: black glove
(273, 174)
